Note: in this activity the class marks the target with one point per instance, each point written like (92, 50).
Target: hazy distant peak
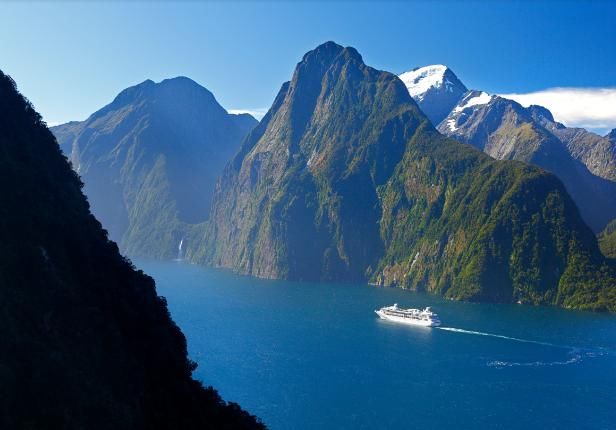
(148, 87)
(179, 79)
(180, 87)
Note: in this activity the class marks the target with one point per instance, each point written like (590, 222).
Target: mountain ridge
(504, 129)
(346, 179)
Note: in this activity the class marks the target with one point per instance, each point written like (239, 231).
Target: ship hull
(407, 321)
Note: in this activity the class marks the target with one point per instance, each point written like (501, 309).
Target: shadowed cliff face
(150, 160)
(85, 342)
(346, 179)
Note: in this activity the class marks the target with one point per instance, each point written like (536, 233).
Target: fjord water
(308, 355)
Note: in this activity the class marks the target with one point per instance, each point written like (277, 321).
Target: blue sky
(71, 58)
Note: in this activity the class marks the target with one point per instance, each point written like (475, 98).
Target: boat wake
(500, 336)
(574, 354)
(575, 357)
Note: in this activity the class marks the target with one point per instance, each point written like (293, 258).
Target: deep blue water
(311, 356)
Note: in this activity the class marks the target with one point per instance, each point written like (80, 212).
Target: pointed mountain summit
(86, 342)
(542, 115)
(436, 89)
(150, 160)
(346, 179)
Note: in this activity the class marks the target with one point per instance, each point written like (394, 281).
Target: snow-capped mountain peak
(435, 88)
(418, 81)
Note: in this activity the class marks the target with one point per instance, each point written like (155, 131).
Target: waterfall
(180, 249)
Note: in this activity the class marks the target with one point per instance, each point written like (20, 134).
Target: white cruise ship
(425, 317)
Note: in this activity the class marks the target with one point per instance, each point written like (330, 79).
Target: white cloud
(591, 108)
(258, 113)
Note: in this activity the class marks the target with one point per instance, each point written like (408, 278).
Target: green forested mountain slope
(346, 179)
(85, 342)
(150, 160)
(607, 240)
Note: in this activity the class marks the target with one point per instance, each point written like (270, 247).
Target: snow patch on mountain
(482, 98)
(451, 123)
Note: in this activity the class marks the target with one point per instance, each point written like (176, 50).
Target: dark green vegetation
(85, 343)
(607, 240)
(346, 179)
(150, 160)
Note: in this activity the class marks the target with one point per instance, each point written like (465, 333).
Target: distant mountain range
(345, 178)
(502, 128)
(86, 342)
(150, 160)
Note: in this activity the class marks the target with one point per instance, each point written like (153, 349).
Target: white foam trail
(576, 358)
(500, 336)
(576, 353)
